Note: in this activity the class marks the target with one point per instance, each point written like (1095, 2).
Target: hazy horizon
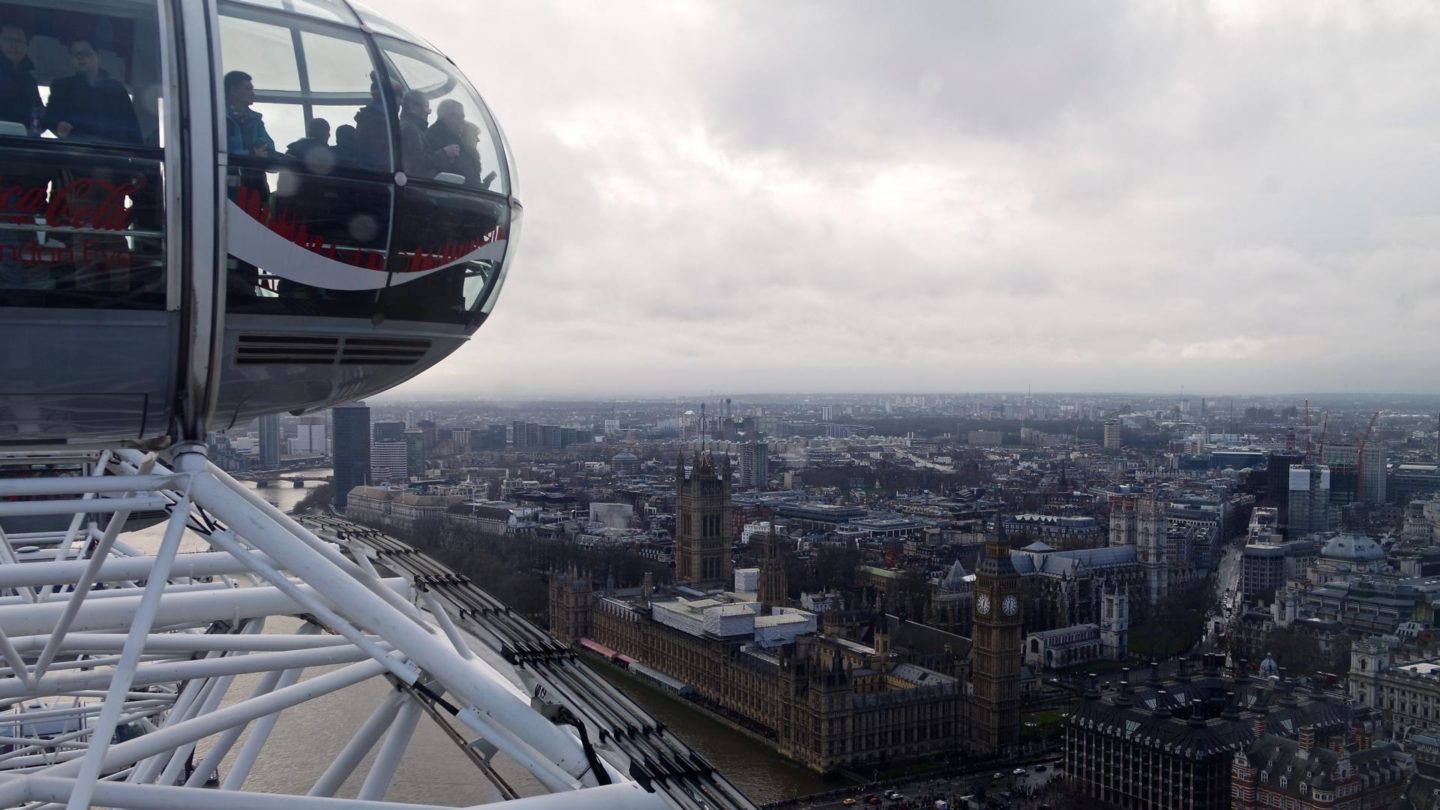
(1084, 196)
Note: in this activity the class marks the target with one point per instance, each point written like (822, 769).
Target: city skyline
(1102, 198)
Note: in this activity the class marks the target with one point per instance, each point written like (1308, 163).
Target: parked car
(1018, 772)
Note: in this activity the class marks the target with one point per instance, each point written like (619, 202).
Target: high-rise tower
(270, 440)
(702, 523)
(352, 449)
(995, 675)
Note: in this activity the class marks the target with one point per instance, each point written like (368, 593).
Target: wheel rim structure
(121, 671)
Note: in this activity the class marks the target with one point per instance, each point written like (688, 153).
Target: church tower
(773, 587)
(1151, 548)
(571, 599)
(702, 524)
(995, 671)
(1115, 624)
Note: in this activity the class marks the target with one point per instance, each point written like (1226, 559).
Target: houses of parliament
(832, 688)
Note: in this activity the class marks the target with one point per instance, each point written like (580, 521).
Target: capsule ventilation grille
(319, 350)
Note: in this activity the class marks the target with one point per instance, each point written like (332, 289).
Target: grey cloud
(809, 195)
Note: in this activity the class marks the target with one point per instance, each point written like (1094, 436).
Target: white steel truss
(143, 679)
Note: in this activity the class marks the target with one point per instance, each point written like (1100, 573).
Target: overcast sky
(957, 196)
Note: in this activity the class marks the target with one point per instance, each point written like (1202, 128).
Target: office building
(1112, 435)
(388, 431)
(1268, 565)
(1309, 499)
(1158, 745)
(352, 449)
(415, 452)
(310, 438)
(1301, 774)
(1351, 481)
(388, 461)
(754, 465)
(1410, 482)
(269, 425)
(1277, 480)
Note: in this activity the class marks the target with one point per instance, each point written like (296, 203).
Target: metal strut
(117, 660)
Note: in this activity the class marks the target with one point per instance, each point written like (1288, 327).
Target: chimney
(1257, 724)
(1162, 705)
(1197, 714)
(1307, 740)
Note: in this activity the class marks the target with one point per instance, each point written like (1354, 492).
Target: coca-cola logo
(88, 202)
(291, 225)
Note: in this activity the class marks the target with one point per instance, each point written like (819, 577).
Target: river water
(308, 737)
(751, 765)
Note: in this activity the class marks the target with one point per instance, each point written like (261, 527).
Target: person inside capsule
(90, 105)
(245, 135)
(418, 156)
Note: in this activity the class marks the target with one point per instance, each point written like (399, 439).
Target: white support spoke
(82, 589)
(106, 628)
(359, 745)
(226, 541)
(149, 603)
(259, 735)
(383, 769)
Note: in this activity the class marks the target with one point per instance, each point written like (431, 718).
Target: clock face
(1011, 605)
(982, 604)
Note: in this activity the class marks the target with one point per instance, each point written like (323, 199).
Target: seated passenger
(313, 150)
(19, 93)
(417, 157)
(451, 128)
(90, 105)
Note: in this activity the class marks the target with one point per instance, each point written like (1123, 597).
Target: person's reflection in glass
(20, 110)
(19, 92)
(90, 105)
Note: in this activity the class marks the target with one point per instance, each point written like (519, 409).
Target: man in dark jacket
(417, 157)
(91, 106)
(448, 130)
(313, 150)
(19, 94)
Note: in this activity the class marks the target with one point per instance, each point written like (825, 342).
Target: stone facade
(1158, 745)
(1301, 774)
(703, 531)
(826, 702)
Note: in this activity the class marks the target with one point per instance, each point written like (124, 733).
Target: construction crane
(1320, 445)
(1360, 458)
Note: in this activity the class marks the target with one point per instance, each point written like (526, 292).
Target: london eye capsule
(211, 211)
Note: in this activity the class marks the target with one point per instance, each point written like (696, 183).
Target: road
(922, 793)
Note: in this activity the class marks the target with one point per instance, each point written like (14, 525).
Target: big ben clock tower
(995, 670)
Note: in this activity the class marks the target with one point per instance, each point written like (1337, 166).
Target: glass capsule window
(81, 196)
(446, 134)
(365, 177)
